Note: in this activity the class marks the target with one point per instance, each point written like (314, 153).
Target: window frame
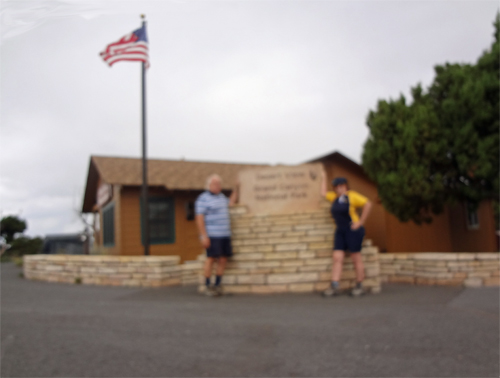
(171, 225)
(189, 208)
(106, 210)
(471, 215)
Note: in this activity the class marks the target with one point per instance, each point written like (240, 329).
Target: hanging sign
(104, 194)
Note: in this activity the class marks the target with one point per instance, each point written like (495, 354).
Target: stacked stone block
(191, 272)
(288, 253)
(397, 268)
(457, 269)
(150, 271)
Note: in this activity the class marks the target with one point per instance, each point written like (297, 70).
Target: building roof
(171, 174)
(174, 174)
(337, 156)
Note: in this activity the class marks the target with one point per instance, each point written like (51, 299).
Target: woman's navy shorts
(347, 239)
(220, 247)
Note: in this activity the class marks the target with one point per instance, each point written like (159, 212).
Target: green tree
(24, 246)
(11, 225)
(443, 147)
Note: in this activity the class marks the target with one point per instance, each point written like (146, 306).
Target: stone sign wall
(281, 189)
(289, 253)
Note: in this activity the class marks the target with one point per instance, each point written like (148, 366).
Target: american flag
(132, 47)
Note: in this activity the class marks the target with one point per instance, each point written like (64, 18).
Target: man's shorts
(220, 247)
(347, 239)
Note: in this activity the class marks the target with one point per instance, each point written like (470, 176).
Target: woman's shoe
(331, 292)
(357, 292)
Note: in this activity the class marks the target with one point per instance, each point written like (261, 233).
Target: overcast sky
(230, 81)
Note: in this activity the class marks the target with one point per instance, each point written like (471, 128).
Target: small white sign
(104, 193)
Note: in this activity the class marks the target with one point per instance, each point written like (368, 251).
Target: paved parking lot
(57, 330)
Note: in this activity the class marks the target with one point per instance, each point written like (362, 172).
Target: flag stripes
(132, 47)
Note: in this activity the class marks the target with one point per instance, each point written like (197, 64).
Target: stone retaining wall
(191, 271)
(272, 254)
(152, 271)
(288, 253)
(467, 269)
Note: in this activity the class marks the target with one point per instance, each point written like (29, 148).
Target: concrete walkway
(58, 330)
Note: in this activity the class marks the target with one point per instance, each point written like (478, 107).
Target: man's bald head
(214, 184)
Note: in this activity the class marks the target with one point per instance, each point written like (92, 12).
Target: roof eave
(89, 197)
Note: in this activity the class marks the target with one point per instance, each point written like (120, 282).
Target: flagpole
(145, 207)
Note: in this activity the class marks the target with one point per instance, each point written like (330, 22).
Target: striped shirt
(214, 207)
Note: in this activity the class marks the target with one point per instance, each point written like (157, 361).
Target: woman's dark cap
(339, 181)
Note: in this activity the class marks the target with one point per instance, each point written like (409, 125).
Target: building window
(471, 215)
(189, 206)
(108, 229)
(161, 220)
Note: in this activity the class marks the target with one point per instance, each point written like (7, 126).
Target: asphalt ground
(59, 330)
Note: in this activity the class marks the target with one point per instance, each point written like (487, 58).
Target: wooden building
(456, 230)
(113, 193)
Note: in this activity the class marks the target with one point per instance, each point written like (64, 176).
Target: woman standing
(349, 231)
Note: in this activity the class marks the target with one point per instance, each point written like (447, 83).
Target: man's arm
(200, 223)
(235, 195)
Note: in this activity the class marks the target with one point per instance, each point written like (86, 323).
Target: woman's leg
(355, 241)
(338, 262)
(358, 266)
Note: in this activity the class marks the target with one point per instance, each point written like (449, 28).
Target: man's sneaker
(357, 292)
(331, 292)
(210, 291)
(218, 290)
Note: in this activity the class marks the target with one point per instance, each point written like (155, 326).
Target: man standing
(214, 226)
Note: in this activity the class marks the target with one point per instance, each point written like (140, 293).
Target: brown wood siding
(375, 224)
(447, 233)
(186, 244)
(481, 240)
(410, 237)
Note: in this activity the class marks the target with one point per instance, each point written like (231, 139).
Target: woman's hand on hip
(356, 225)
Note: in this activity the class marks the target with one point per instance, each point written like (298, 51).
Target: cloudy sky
(230, 81)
